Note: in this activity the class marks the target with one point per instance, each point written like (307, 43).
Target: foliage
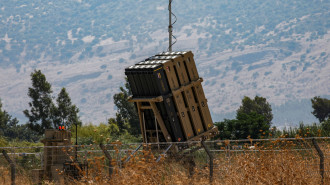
(44, 114)
(65, 113)
(232, 129)
(22, 132)
(89, 134)
(40, 107)
(321, 108)
(3, 142)
(253, 120)
(313, 130)
(20, 143)
(274, 132)
(113, 127)
(226, 129)
(325, 126)
(258, 105)
(6, 123)
(10, 128)
(251, 125)
(126, 116)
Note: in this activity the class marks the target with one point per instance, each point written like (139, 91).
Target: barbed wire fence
(228, 157)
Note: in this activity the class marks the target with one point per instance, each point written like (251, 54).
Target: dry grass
(266, 165)
(263, 166)
(21, 176)
(269, 168)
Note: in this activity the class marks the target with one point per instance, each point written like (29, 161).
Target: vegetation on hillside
(63, 29)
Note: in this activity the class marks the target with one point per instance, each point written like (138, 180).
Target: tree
(251, 125)
(10, 128)
(44, 114)
(40, 113)
(259, 105)
(65, 112)
(253, 119)
(6, 123)
(325, 126)
(321, 108)
(113, 127)
(126, 116)
(227, 129)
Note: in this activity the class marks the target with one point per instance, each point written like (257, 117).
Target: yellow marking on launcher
(158, 69)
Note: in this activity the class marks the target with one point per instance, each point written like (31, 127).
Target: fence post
(12, 167)
(108, 156)
(321, 155)
(211, 160)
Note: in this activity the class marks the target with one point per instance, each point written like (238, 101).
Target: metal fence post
(211, 160)
(321, 155)
(12, 167)
(108, 156)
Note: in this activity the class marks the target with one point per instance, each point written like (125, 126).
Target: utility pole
(170, 26)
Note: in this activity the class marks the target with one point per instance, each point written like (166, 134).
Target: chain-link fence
(277, 161)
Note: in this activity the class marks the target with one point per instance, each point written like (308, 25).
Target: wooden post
(108, 156)
(321, 155)
(12, 167)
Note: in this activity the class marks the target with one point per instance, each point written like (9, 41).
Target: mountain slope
(276, 49)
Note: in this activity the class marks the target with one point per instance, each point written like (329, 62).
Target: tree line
(253, 118)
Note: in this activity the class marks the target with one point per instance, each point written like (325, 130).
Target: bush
(3, 142)
(88, 134)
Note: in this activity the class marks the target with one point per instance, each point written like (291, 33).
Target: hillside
(277, 49)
